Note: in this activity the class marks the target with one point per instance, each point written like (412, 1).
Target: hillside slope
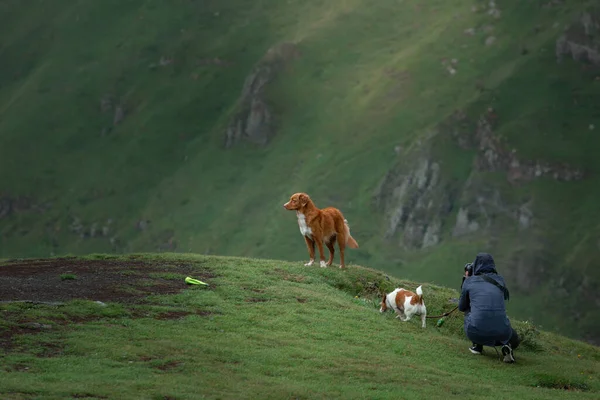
(260, 329)
(440, 129)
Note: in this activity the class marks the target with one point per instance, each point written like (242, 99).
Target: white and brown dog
(405, 303)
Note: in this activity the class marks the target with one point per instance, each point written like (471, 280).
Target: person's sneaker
(476, 349)
(508, 354)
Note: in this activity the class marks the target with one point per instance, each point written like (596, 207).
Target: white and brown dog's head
(298, 201)
(405, 303)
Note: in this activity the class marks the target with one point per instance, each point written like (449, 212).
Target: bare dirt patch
(16, 368)
(50, 349)
(122, 280)
(42, 281)
(170, 315)
(87, 396)
(255, 300)
(289, 277)
(169, 365)
(7, 334)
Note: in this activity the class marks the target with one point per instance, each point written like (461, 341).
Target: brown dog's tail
(350, 242)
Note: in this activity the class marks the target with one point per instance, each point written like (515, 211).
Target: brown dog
(321, 226)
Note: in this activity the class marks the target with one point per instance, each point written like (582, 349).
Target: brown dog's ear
(303, 199)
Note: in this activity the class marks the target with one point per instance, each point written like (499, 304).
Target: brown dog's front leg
(321, 253)
(311, 250)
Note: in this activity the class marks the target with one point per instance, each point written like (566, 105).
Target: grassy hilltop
(130, 126)
(129, 327)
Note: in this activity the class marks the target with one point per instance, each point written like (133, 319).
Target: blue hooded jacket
(482, 302)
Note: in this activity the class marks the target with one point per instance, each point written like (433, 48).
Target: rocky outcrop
(484, 208)
(119, 115)
(5, 207)
(90, 230)
(107, 105)
(581, 40)
(494, 156)
(20, 204)
(465, 223)
(481, 204)
(413, 202)
(417, 202)
(253, 118)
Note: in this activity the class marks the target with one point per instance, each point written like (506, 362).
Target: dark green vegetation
(261, 329)
(404, 114)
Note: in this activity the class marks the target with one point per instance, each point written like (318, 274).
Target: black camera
(469, 269)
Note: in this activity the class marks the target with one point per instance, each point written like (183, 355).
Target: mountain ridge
(114, 122)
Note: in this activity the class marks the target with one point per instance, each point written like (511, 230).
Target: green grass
(369, 79)
(275, 329)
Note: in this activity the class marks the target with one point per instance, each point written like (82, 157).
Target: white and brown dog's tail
(350, 242)
(420, 294)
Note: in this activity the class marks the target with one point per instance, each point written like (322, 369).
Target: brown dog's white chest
(304, 228)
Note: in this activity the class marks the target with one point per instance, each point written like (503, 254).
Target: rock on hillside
(581, 40)
(423, 206)
(414, 201)
(253, 118)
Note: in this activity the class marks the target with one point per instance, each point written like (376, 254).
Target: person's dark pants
(514, 340)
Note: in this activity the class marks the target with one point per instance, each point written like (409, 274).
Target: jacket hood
(484, 264)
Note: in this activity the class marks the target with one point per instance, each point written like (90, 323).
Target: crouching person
(482, 298)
